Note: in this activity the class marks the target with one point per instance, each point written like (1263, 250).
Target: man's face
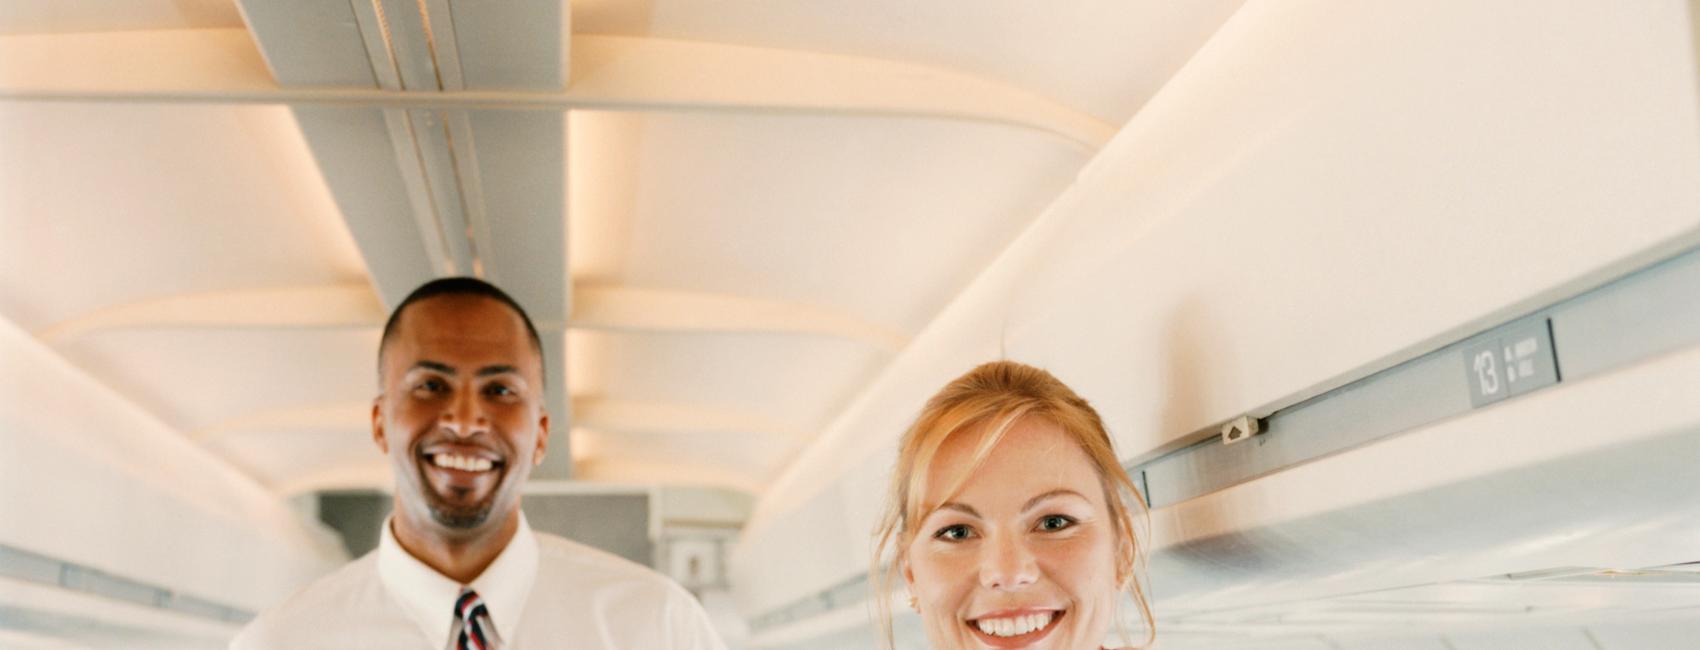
(461, 414)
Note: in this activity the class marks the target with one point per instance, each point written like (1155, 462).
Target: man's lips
(461, 460)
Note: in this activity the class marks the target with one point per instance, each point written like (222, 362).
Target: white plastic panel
(881, 219)
(750, 373)
(1102, 58)
(51, 16)
(202, 380)
(111, 204)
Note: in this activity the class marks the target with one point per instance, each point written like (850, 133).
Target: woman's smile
(1015, 628)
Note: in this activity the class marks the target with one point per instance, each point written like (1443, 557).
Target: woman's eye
(1055, 522)
(954, 533)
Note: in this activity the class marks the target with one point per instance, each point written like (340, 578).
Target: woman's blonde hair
(995, 396)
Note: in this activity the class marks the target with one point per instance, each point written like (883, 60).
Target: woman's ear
(909, 587)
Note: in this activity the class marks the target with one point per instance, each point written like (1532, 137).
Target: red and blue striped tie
(474, 619)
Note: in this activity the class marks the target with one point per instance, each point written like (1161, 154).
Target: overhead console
(1648, 313)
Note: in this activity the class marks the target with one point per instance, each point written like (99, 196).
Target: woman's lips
(1014, 628)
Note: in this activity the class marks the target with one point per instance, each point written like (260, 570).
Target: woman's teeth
(462, 463)
(1014, 625)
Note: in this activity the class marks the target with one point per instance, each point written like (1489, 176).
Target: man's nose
(1007, 563)
(465, 417)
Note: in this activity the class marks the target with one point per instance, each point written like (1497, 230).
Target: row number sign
(1510, 361)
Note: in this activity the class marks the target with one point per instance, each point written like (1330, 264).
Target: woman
(1010, 518)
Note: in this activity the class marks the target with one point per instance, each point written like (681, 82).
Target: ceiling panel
(277, 458)
(62, 16)
(884, 219)
(799, 381)
(1105, 58)
(105, 204)
(197, 380)
(744, 462)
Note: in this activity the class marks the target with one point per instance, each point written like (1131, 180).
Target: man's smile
(458, 466)
(473, 463)
(459, 476)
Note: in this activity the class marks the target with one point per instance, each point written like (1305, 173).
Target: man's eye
(954, 533)
(432, 386)
(498, 390)
(1055, 522)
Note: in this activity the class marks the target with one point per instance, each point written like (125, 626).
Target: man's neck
(459, 559)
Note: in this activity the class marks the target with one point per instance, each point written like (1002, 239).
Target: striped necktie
(473, 619)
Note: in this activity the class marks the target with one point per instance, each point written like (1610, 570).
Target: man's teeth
(462, 463)
(1014, 625)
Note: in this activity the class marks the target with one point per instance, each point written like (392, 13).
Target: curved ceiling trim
(609, 73)
(633, 309)
(594, 308)
(658, 417)
(311, 417)
(349, 305)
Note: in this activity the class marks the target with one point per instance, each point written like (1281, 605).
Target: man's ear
(542, 438)
(378, 424)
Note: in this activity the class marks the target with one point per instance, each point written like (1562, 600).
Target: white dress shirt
(542, 591)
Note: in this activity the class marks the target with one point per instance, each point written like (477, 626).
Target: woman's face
(1024, 555)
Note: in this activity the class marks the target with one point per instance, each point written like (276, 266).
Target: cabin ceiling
(727, 223)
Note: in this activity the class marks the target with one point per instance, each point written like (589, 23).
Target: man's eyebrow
(486, 371)
(435, 365)
(962, 508)
(1053, 493)
(498, 369)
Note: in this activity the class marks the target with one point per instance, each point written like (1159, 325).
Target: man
(461, 417)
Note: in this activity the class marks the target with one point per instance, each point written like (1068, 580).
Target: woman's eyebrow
(1050, 495)
(960, 507)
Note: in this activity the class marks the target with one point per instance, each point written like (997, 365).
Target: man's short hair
(458, 286)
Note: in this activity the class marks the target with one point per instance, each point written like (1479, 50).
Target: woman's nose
(1006, 563)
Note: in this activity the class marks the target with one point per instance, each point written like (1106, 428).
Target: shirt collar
(428, 597)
